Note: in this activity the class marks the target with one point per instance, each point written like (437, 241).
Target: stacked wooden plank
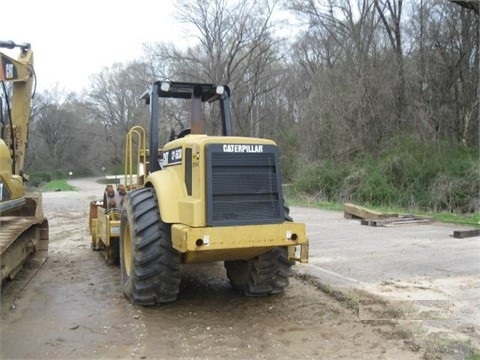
(376, 218)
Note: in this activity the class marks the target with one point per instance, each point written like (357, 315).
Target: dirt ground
(71, 307)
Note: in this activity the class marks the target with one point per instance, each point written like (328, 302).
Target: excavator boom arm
(21, 74)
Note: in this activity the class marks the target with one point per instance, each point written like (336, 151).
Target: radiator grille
(243, 188)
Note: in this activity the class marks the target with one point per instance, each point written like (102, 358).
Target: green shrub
(456, 193)
(39, 178)
(288, 142)
(376, 188)
(323, 180)
(409, 173)
(58, 174)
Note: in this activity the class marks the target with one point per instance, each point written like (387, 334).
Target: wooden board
(352, 211)
(396, 221)
(376, 218)
(461, 234)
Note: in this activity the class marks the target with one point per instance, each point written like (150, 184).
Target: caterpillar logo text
(242, 148)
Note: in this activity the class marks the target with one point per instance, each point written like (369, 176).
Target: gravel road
(71, 307)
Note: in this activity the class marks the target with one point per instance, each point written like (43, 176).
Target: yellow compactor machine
(23, 227)
(204, 198)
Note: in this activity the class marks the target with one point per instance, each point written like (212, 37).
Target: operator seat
(181, 134)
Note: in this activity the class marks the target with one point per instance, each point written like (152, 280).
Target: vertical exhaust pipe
(153, 100)
(197, 111)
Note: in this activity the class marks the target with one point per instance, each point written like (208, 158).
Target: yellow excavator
(23, 227)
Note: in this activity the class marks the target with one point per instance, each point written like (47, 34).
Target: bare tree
(345, 95)
(114, 101)
(467, 66)
(447, 42)
(53, 122)
(234, 45)
(390, 12)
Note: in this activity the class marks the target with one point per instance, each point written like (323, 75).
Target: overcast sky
(72, 40)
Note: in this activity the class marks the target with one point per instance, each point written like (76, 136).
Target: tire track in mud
(72, 308)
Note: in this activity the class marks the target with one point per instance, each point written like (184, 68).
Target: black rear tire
(150, 267)
(263, 275)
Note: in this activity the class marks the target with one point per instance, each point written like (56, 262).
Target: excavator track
(20, 239)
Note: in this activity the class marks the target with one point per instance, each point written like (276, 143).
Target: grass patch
(352, 301)
(469, 219)
(327, 289)
(444, 345)
(57, 185)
